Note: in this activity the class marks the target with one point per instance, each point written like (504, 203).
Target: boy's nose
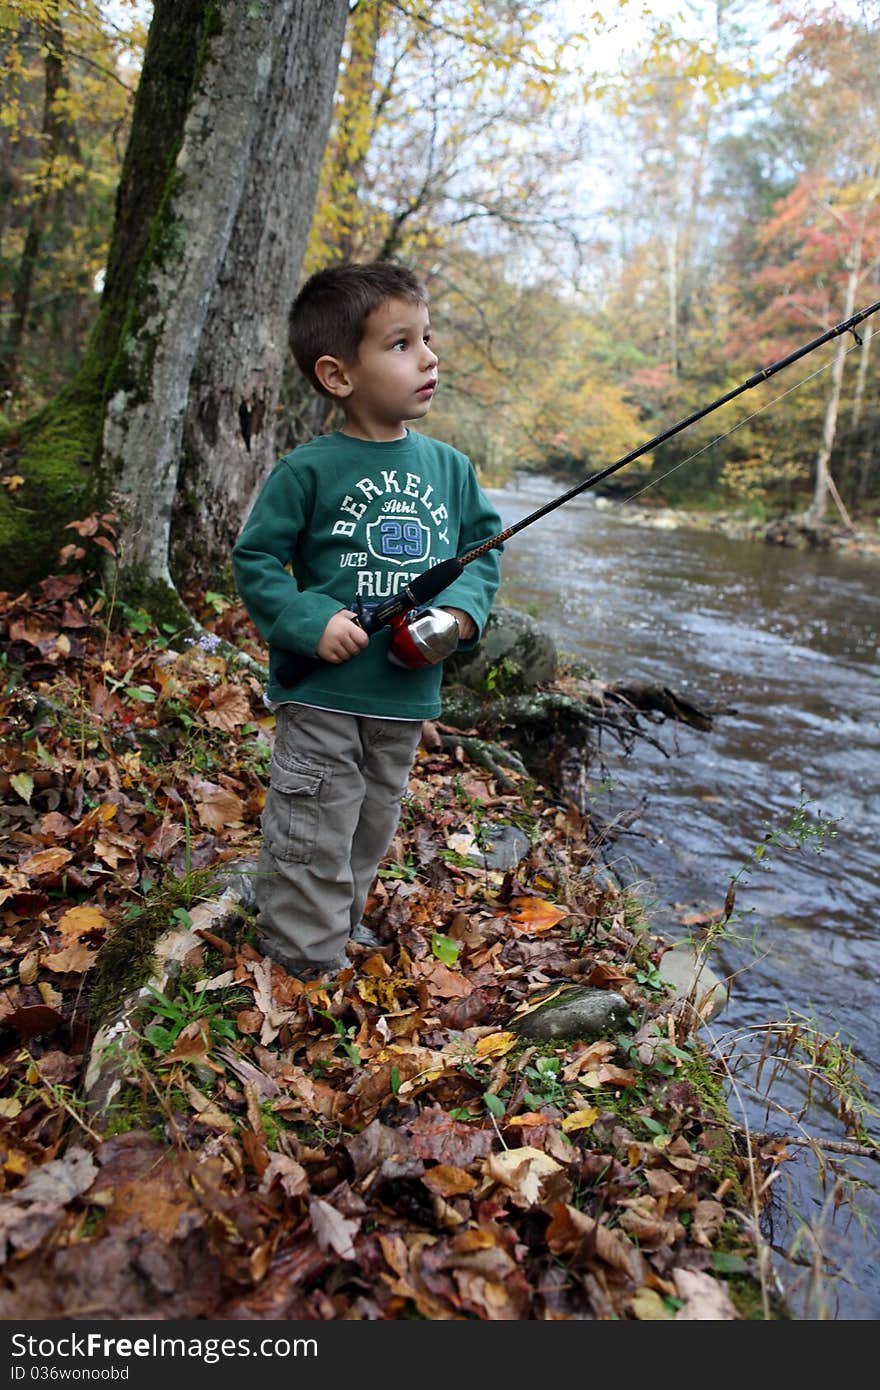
(429, 357)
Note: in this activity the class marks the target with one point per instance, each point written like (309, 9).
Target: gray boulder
(513, 656)
(583, 1012)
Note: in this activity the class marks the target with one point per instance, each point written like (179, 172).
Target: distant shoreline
(785, 531)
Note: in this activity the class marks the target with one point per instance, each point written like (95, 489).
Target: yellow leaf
(79, 920)
(9, 1107)
(495, 1044)
(648, 1306)
(580, 1119)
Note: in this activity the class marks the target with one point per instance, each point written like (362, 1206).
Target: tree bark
(822, 477)
(232, 415)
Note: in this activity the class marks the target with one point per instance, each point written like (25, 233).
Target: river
(787, 641)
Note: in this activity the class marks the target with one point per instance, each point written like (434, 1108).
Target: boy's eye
(401, 343)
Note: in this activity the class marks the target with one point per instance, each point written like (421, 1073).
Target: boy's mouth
(428, 389)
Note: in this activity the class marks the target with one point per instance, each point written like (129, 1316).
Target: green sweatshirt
(341, 518)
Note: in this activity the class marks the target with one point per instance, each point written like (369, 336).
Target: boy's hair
(329, 314)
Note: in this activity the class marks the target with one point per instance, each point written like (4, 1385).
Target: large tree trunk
(197, 196)
(232, 414)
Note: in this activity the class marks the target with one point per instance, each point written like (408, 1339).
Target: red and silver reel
(422, 637)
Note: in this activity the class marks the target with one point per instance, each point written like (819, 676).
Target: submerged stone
(689, 977)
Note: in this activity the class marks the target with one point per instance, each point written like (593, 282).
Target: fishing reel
(422, 637)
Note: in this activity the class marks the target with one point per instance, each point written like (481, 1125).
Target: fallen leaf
(435, 1135)
(648, 1306)
(534, 915)
(523, 1171)
(46, 861)
(495, 1044)
(580, 1119)
(34, 1020)
(705, 1299)
(217, 807)
(29, 967)
(79, 920)
(447, 1181)
(333, 1231)
(23, 783)
(76, 958)
(290, 1176)
(228, 708)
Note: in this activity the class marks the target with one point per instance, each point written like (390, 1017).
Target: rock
(505, 847)
(514, 653)
(583, 1012)
(680, 967)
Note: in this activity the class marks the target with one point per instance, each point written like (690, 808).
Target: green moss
(126, 961)
(154, 596)
(55, 455)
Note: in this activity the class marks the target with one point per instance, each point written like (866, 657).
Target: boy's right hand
(342, 638)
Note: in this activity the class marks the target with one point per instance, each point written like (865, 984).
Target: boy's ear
(333, 376)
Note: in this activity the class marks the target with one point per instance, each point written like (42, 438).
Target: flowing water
(788, 642)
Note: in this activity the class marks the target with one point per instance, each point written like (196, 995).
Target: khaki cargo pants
(335, 786)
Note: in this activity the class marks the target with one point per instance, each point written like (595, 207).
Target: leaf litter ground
(383, 1147)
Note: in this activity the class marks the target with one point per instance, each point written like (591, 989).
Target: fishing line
(718, 438)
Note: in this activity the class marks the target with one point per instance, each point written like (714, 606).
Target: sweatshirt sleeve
(474, 590)
(284, 614)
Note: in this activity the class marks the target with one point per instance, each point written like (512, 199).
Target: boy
(356, 515)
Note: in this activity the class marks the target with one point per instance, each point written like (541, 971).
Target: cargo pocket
(290, 817)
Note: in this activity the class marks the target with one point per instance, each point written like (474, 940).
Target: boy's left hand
(467, 628)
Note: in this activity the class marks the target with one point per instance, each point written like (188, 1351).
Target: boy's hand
(342, 638)
(467, 628)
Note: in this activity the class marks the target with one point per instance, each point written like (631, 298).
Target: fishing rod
(429, 636)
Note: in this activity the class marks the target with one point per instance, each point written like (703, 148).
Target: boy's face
(395, 374)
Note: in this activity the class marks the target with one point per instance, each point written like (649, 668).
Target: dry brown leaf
(523, 1172)
(46, 861)
(705, 1299)
(445, 1180)
(216, 807)
(228, 708)
(76, 959)
(333, 1231)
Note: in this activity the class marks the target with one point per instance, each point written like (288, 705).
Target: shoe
(302, 968)
(319, 969)
(365, 936)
